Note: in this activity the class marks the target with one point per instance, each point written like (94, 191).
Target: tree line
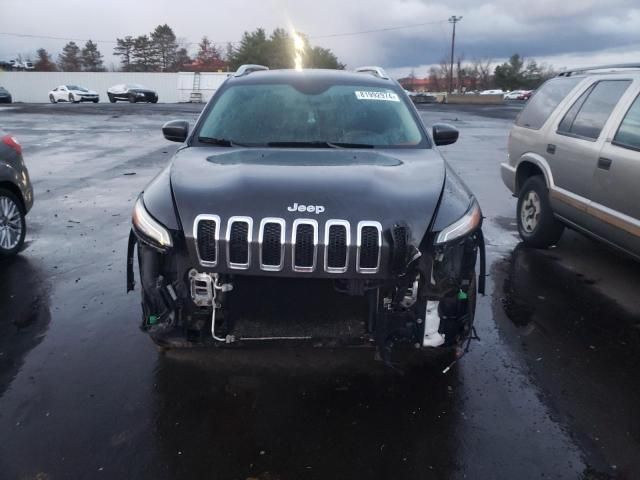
(481, 74)
(162, 51)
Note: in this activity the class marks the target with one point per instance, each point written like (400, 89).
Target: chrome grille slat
(369, 247)
(272, 239)
(205, 227)
(239, 236)
(337, 240)
(304, 245)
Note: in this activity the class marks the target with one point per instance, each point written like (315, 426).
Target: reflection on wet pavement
(24, 313)
(583, 349)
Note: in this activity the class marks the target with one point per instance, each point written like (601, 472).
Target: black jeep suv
(308, 178)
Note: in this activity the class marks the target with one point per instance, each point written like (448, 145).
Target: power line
(311, 37)
(376, 30)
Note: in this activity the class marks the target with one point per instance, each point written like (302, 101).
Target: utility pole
(453, 20)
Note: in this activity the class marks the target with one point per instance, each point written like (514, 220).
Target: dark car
(316, 178)
(5, 96)
(132, 93)
(16, 195)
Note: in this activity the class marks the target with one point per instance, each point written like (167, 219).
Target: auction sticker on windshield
(385, 96)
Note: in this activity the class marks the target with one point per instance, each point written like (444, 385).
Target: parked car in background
(574, 158)
(73, 94)
(28, 66)
(525, 95)
(131, 92)
(492, 92)
(5, 96)
(513, 95)
(16, 195)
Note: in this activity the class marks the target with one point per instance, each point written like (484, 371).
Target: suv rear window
(588, 115)
(628, 135)
(545, 101)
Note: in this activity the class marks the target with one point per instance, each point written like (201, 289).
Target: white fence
(33, 87)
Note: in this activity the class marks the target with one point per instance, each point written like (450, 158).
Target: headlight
(467, 224)
(149, 228)
(140, 94)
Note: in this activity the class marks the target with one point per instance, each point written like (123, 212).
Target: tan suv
(574, 158)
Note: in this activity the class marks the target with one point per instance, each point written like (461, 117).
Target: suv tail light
(13, 143)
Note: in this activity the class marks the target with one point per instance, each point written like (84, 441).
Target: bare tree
(485, 70)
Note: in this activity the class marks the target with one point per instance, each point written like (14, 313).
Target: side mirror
(444, 134)
(176, 130)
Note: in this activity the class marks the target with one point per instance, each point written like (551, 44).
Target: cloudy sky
(564, 33)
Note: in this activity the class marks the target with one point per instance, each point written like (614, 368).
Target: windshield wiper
(318, 144)
(221, 142)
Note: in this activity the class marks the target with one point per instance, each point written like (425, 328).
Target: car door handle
(604, 163)
(551, 148)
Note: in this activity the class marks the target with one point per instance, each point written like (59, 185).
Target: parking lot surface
(549, 391)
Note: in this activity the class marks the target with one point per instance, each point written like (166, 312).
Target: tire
(72, 100)
(132, 99)
(111, 98)
(95, 101)
(155, 100)
(12, 218)
(52, 99)
(537, 225)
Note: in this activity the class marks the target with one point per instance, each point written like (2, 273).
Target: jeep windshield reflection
(279, 115)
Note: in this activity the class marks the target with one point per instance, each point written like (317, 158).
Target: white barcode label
(384, 96)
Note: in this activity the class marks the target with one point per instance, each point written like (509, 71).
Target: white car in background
(514, 95)
(492, 92)
(73, 94)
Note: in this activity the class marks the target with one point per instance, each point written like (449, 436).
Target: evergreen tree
(144, 55)
(124, 49)
(92, 58)
(165, 45)
(69, 60)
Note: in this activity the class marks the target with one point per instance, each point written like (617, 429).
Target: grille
(273, 236)
(337, 247)
(369, 248)
(304, 250)
(207, 241)
(271, 246)
(238, 243)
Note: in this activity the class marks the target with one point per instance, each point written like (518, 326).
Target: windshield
(341, 115)
(134, 85)
(76, 87)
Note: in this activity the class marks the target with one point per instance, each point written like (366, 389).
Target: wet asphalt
(549, 391)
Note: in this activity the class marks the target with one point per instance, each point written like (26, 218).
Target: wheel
(111, 98)
(132, 99)
(72, 99)
(537, 225)
(155, 100)
(12, 223)
(52, 99)
(95, 100)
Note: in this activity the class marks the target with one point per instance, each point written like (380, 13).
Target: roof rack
(247, 69)
(376, 71)
(609, 68)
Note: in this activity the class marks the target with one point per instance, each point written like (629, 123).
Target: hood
(84, 92)
(388, 186)
(141, 90)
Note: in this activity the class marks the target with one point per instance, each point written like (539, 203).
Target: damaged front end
(425, 300)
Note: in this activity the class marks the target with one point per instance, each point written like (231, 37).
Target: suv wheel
(12, 223)
(536, 224)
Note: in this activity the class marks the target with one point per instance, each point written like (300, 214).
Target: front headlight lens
(149, 228)
(467, 224)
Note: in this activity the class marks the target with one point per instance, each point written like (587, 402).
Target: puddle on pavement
(582, 348)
